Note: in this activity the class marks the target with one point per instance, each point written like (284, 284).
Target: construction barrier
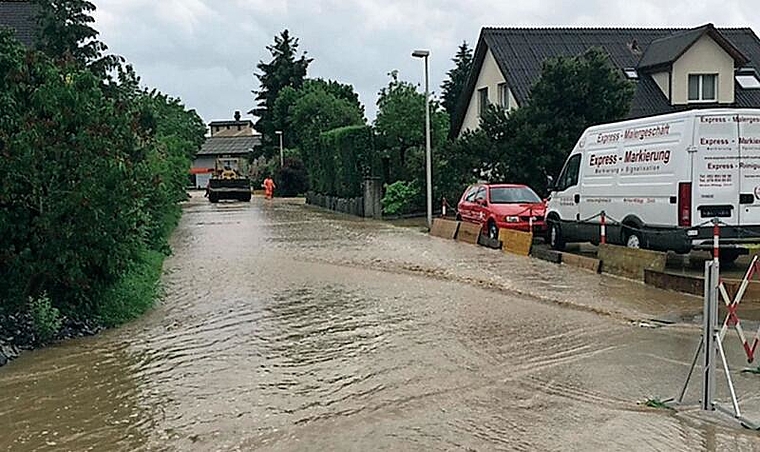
(711, 345)
(468, 233)
(732, 305)
(446, 229)
(516, 242)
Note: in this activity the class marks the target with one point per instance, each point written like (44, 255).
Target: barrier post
(603, 222)
(443, 208)
(716, 241)
(708, 336)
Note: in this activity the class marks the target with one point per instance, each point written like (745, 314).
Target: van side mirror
(550, 184)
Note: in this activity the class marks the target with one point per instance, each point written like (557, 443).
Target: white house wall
(704, 57)
(490, 76)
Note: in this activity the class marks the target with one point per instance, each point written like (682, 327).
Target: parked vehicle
(661, 180)
(229, 181)
(502, 206)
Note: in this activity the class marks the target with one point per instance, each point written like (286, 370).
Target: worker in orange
(269, 187)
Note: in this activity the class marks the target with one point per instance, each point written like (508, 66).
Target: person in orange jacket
(269, 187)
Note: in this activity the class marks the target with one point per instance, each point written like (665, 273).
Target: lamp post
(428, 155)
(282, 159)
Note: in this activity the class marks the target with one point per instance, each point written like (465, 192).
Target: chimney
(237, 116)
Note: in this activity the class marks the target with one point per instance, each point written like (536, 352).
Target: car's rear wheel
(459, 217)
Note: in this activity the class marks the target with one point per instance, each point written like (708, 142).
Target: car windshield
(513, 195)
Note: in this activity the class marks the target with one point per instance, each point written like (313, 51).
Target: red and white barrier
(603, 223)
(732, 319)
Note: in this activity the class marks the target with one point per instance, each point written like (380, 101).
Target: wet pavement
(289, 328)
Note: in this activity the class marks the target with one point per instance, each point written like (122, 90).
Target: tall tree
(400, 123)
(452, 88)
(65, 33)
(282, 116)
(285, 69)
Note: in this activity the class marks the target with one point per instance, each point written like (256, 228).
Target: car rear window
(513, 195)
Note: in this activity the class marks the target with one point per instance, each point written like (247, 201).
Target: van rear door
(749, 168)
(715, 175)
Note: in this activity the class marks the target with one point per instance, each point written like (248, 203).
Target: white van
(661, 180)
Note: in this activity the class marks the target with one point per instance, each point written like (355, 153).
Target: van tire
(728, 257)
(633, 239)
(554, 237)
(459, 217)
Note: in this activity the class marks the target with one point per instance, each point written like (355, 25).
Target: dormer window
(703, 87)
(747, 78)
(631, 73)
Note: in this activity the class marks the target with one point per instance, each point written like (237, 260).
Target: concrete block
(586, 263)
(670, 281)
(468, 233)
(516, 242)
(444, 228)
(630, 262)
(543, 253)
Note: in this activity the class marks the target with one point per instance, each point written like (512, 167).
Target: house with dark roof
(19, 16)
(238, 127)
(673, 68)
(229, 139)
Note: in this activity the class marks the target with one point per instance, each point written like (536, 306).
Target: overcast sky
(205, 51)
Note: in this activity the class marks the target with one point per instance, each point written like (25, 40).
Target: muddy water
(287, 328)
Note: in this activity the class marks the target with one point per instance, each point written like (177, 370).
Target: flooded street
(288, 328)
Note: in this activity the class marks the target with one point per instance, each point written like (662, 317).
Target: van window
(481, 194)
(569, 176)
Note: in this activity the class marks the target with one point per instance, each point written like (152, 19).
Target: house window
(504, 96)
(703, 87)
(483, 100)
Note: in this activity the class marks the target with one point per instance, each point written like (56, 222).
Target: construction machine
(229, 181)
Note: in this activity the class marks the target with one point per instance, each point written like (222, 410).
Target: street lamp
(282, 161)
(428, 159)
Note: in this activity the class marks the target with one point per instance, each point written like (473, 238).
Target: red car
(499, 206)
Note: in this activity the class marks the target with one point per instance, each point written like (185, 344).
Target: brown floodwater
(288, 328)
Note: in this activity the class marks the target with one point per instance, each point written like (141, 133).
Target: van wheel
(727, 257)
(459, 217)
(493, 230)
(556, 241)
(633, 240)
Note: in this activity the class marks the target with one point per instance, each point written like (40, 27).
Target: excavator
(229, 181)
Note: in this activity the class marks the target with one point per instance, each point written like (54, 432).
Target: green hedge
(345, 156)
(92, 173)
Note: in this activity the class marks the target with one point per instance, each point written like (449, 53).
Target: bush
(400, 197)
(134, 293)
(291, 179)
(92, 175)
(46, 319)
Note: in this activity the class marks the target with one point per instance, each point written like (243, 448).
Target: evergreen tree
(453, 86)
(285, 69)
(65, 33)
